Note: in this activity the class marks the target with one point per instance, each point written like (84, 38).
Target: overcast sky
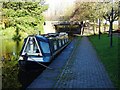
(57, 6)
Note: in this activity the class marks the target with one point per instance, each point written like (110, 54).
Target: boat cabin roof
(41, 38)
(38, 37)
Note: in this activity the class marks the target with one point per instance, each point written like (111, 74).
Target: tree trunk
(110, 32)
(80, 27)
(99, 28)
(119, 16)
(83, 30)
(94, 27)
(17, 48)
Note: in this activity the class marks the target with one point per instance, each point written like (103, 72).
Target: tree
(68, 11)
(111, 16)
(88, 11)
(24, 16)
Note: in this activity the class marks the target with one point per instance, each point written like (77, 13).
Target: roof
(41, 38)
(67, 23)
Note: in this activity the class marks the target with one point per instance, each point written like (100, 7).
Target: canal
(9, 54)
(9, 47)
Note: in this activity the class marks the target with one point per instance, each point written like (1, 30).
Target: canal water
(8, 50)
(8, 47)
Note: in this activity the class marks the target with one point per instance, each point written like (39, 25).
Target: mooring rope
(23, 69)
(42, 64)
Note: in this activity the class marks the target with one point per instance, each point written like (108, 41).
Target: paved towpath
(79, 69)
(49, 77)
(84, 69)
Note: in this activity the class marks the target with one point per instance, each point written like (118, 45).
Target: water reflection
(9, 48)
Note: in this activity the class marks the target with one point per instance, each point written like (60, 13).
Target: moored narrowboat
(39, 50)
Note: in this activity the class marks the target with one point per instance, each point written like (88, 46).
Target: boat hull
(31, 65)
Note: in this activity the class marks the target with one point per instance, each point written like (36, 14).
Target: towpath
(84, 70)
(78, 66)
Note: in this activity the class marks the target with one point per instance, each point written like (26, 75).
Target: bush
(10, 74)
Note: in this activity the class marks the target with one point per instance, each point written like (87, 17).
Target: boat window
(59, 43)
(45, 47)
(63, 41)
(31, 47)
(55, 45)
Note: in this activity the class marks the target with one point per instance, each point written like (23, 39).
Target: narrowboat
(39, 50)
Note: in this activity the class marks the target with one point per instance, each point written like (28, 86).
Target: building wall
(49, 27)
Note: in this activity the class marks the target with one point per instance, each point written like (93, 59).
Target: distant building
(49, 27)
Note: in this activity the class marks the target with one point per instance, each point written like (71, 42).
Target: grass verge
(108, 55)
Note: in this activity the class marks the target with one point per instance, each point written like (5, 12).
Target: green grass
(108, 55)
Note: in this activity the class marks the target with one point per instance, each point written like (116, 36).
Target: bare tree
(111, 16)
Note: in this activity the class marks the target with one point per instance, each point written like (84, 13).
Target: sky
(57, 6)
